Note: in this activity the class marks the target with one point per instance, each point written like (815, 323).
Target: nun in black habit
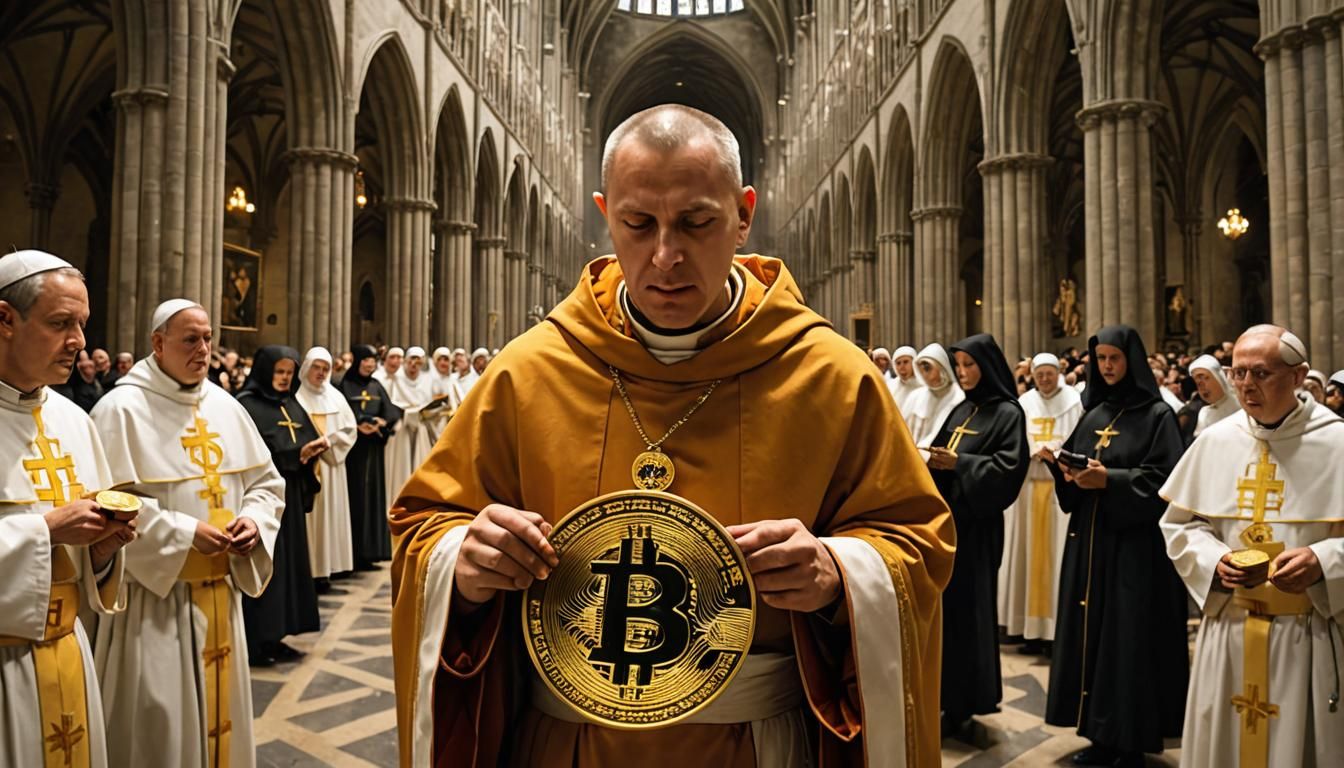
(288, 606)
(979, 461)
(1121, 662)
(376, 417)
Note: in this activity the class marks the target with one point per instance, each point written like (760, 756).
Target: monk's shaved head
(669, 127)
(1290, 348)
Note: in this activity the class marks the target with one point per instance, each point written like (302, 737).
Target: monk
(675, 343)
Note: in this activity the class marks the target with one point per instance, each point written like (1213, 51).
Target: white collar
(669, 349)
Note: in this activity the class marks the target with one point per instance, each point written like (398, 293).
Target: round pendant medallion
(653, 471)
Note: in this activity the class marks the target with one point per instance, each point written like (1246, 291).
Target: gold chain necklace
(653, 470)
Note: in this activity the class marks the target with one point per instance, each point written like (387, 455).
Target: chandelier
(238, 201)
(361, 199)
(1234, 225)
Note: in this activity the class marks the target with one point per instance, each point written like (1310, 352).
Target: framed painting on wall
(240, 291)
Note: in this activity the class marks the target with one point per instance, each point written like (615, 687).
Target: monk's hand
(1093, 478)
(1233, 577)
(942, 458)
(310, 451)
(119, 533)
(367, 428)
(209, 540)
(1046, 455)
(792, 569)
(1296, 569)
(505, 549)
(78, 523)
(243, 535)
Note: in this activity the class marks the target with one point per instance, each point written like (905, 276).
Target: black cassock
(364, 471)
(991, 467)
(288, 606)
(1121, 662)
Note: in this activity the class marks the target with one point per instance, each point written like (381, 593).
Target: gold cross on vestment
(364, 399)
(65, 735)
(1047, 427)
(1106, 435)
(1259, 490)
(1252, 709)
(203, 450)
(49, 466)
(961, 431)
(288, 422)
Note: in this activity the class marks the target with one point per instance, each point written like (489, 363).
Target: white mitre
(21, 265)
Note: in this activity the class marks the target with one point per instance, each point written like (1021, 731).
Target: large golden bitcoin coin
(122, 506)
(648, 616)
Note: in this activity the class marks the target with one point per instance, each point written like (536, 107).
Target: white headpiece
(480, 352)
(167, 309)
(1045, 358)
(24, 264)
(398, 351)
(903, 352)
(415, 352)
(442, 352)
(879, 351)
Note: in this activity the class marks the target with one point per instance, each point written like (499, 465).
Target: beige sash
(767, 692)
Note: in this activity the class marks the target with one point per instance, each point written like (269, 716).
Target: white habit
(196, 453)
(46, 585)
(329, 544)
(411, 443)
(903, 389)
(1035, 528)
(928, 407)
(1236, 471)
(1220, 409)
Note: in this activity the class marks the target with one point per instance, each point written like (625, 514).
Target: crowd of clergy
(1098, 496)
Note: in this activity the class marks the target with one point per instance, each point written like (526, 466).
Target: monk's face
(392, 363)
(968, 371)
(905, 367)
(676, 218)
(460, 362)
(478, 363)
(443, 364)
(183, 348)
(1046, 378)
(1266, 386)
(1210, 391)
(932, 374)
(413, 366)
(283, 375)
(1112, 363)
(40, 349)
(1334, 398)
(883, 362)
(317, 373)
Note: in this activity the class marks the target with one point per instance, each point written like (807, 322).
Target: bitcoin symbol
(643, 621)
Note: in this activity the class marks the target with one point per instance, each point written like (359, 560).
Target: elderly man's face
(43, 346)
(1210, 391)
(183, 348)
(676, 219)
(1266, 386)
(101, 362)
(1046, 378)
(124, 363)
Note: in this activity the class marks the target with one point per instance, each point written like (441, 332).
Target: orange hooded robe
(802, 426)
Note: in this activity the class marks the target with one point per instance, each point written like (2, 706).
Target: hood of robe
(361, 352)
(323, 399)
(1132, 391)
(263, 372)
(772, 315)
(996, 380)
(935, 354)
(147, 374)
(1308, 416)
(1210, 363)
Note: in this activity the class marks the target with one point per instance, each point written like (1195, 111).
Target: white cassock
(442, 389)
(903, 389)
(42, 641)
(1235, 472)
(927, 408)
(196, 453)
(465, 382)
(330, 549)
(1035, 528)
(1226, 406)
(411, 443)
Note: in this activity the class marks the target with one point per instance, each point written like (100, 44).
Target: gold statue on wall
(1067, 309)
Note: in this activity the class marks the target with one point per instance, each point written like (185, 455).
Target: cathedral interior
(420, 172)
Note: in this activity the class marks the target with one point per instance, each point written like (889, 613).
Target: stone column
(515, 301)
(490, 305)
(1198, 276)
(453, 295)
(1015, 224)
(862, 275)
(936, 274)
(321, 190)
(535, 296)
(408, 269)
(1304, 100)
(41, 199)
(168, 178)
(1121, 261)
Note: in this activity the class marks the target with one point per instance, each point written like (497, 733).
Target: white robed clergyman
(479, 359)
(391, 364)
(443, 391)
(173, 666)
(411, 390)
(1266, 676)
(329, 544)
(906, 381)
(1214, 390)
(927, 408)
(53, 565)
(1035, 528)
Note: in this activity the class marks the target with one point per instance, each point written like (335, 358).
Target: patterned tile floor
(336, 706)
